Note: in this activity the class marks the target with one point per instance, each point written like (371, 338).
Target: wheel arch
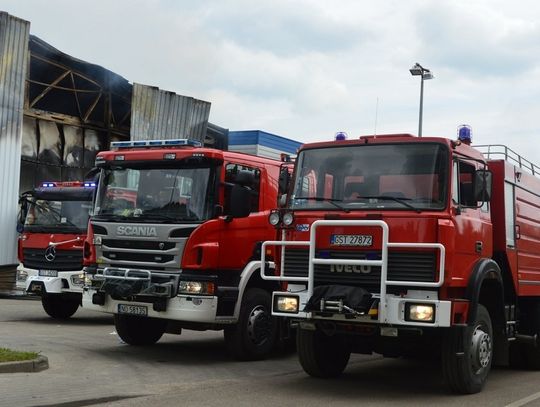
(251, 277)
(486, 287)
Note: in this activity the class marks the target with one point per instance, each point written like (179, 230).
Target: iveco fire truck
(53, 222)
(403, 245)
(174, 243)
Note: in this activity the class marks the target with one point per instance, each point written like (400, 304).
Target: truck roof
(457, 146)
(179, 152)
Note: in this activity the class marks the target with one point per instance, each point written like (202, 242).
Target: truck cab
(52, 224)
(402, 245)
(175, 240)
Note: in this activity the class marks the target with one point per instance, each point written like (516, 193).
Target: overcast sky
(306, 69)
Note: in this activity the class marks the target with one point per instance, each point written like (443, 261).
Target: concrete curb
(25, 366)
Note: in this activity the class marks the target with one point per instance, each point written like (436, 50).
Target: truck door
(240, 235)
(473, 226)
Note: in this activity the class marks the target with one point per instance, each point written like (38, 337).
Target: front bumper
(395, 307)
(186, 308)
(63, 282)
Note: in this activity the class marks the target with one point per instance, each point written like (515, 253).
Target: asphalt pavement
(90, 366)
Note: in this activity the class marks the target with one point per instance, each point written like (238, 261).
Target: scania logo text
(340, 268)
(136, 231)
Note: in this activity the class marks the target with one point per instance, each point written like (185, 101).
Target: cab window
(248, 177)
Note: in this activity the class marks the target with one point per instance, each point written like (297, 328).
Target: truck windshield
(57, 216)
(410, 176)
(155, 195)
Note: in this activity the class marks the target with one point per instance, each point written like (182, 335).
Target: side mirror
(240, 201)
(483, 181)
(284, 180)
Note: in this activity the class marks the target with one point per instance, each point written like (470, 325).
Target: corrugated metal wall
(158, 114)
(13, 62)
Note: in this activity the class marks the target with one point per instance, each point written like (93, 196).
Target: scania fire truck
(401, 245)
(174, 243)
(53, 222)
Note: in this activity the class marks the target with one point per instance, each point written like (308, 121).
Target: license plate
(351, 240)
(48, 273)
(140, 310)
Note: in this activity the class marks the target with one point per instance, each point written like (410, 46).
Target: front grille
(417, 266)
(65, 260)
(140, 257)
(138, 244)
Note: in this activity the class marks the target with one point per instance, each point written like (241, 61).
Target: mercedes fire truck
(401, 245)
(174, 243)
(53, 222)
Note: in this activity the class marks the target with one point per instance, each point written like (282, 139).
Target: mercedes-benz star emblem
(50, 253)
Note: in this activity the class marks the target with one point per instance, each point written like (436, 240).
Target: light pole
(424, 73)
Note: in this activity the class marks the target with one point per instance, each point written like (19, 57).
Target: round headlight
(288, 219)
(273, 218)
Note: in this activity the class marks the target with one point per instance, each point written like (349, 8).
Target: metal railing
(383, 262)
(494, 151)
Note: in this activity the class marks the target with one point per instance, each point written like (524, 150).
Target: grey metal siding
(13, 62)
(159, 114)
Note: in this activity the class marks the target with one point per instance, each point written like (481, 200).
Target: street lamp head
(416, 69)
(427, 75)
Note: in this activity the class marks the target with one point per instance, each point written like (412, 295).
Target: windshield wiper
(333, 201)
(392, 198)
(158, 216)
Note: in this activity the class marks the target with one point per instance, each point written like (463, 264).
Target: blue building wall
(263, 138)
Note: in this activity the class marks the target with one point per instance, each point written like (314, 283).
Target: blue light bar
(89, 184)
(47, 185)
(156, 143)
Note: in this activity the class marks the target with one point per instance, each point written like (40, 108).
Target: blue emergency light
(89, 184)
(465, 133)
(47, 185)
(340, 136)
(156, 143)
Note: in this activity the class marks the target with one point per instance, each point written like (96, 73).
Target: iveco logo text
(340, 268)
(136, 231)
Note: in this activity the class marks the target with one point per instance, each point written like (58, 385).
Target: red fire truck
(174, 243)
(401, 245)
(53, 223)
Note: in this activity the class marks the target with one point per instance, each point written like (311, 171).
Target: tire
(58, 306)
(139, 331)
(321, 355)
(467, 355)
(254, 336)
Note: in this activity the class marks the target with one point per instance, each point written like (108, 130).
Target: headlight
(22, 275)
(285, 303)
(274, 218)
(78, 279)
(420, 312)
(196, 287)
(288, 219)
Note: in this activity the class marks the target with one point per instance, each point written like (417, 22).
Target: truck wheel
(139, 331)
(321, 355)
(255, 334)
(467, 355)
(58, 306)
